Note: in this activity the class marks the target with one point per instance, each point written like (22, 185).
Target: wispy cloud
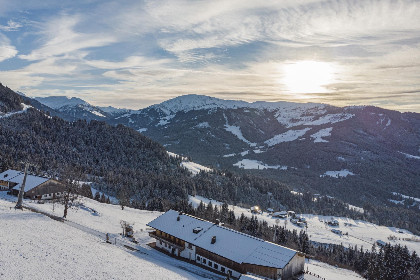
(11, 26)
(6, 49)
(60, 38)
(134, 53)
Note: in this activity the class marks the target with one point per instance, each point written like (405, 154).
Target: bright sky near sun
(136, 53)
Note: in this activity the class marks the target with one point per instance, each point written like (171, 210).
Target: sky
(132, 54)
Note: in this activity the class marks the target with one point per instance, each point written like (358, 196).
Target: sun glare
(307, 76)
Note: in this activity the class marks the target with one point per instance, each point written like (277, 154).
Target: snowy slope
(36, 247)
(47, 249)
(328, 271)
(360, 233)
(193, 167)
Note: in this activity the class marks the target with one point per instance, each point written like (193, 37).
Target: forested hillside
(126, 164)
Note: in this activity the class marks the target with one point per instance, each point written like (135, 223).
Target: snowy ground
(36, 247)
(329, 272)
(360, 233)
(255, 164)
(47, 249)
(337, 174)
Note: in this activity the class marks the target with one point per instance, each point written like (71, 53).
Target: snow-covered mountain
(58, 102)
(72, 108)
(297, 143)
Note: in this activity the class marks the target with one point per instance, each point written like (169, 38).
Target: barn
(36, 187)
(222, 249)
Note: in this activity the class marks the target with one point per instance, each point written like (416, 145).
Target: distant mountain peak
(57, 102)
(196, 102)
(192, 102)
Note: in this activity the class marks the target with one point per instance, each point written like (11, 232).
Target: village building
(222, 249)
(35, 187)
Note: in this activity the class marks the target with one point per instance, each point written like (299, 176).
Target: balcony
(167, 240)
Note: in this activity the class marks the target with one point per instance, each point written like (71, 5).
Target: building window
(160, 241)
(198, 258)
(223, 269)
(204, 261)
(210, 263)
(216, 266)
(189, 246)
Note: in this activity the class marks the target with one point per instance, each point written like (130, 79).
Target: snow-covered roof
(183, 228)
(17, 177)
(230, 244)
(9, 174)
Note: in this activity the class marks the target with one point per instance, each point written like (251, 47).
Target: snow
(287, 113)
(25, 107)
(233, 245)
(194, 168)
(357, 209)
(165, 120)
(112, 199)
(191, 102)
(254, 164)
(236, 130)
(410, 156)
(97, 114)
(329, 272)
(17, 177)
(287, 136)
(113, 110)
(176, 156)
(330, 118)
(57, 102)
(142, 130)
(360, 233)
(203, 125)
(325, 132)
(229, 155)
(406, 196)
(34, 246)
(396, 201)
(337, 174)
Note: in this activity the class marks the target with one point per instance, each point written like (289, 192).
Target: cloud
(11, 26)
(60, 38)
(136, 53)
(6, 49)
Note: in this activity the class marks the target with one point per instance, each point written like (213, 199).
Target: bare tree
(71, 191)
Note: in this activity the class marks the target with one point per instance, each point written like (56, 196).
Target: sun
(307, 76)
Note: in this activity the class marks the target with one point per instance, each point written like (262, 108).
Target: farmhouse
(219, 248)
(35, 187)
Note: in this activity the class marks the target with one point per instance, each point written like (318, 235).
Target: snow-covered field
(318, 136)
(360, 233)
(34, 246)
(337, 174)
(329, 272)
(255, 164)
(287, 136)
(193, 167)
